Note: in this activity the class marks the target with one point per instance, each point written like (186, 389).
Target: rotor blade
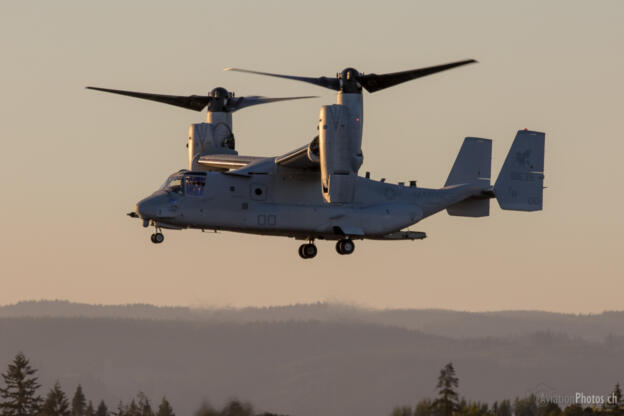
(192, 102)
(331, 83)
(374, 82)
(242, 102)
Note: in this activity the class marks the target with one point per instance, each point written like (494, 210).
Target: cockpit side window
(194, 185)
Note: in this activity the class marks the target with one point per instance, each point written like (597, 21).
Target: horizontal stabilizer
(470, 208)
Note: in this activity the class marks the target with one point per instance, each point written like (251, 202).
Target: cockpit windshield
(173, 183)
(186, 183)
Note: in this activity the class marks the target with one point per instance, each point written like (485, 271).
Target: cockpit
(186, 183)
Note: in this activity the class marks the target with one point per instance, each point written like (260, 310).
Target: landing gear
(345, 246)
(157, 237)
(307, 251)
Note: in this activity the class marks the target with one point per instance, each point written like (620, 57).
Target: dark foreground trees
(448, 403)
(19, 396)
(79, 403)
(165, 409)
(56, 403)
(102, 410)
(448, 400)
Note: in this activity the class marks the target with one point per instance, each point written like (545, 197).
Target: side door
(195, 195)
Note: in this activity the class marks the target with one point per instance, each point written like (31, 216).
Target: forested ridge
(321, 361)
(19, 396)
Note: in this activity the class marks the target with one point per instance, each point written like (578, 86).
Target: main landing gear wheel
(157, 238)
(345, 246)
(307, 251)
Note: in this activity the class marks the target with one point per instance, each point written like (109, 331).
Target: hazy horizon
(326, 302)
(76, 161)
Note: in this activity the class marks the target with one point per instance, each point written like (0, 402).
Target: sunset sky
(74, 161)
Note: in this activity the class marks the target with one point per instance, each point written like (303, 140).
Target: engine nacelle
(213, 137)
(339, 153)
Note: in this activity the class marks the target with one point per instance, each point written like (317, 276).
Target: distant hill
(298, 367)
(313, 359)
(454, 324)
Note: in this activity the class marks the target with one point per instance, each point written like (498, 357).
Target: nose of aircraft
(152, 207)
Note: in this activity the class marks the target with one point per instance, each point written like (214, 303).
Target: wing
(243, 165)
(226, 162)
(297, 159)
(304, 157)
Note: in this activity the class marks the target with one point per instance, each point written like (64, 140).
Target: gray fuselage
(289, 202)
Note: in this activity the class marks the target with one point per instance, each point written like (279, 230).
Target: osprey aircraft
(314, 192)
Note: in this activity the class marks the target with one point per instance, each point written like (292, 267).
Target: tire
(309, 250)
(339, 247)
(345, 246)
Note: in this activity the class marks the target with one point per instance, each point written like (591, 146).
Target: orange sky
(75, 161)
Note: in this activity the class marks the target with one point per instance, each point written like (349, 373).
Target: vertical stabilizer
(473, 165)
(520, 184)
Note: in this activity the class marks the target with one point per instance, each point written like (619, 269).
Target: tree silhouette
(132, 409)
(121, 410)
(474, 409)
(236, 408)
(143, 405)
(526, 406)
(89, 411)
(19, 396)
(502, 409)
(614, 401)
(56, 403)
(447, 401)
(423, 408)
(206, 410)
(574, 410)
(165, 408)
(102, 410)
(79, 405)
(402, 411)
(549, 409)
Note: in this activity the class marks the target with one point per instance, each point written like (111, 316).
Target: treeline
(20, 397)
(448, 403)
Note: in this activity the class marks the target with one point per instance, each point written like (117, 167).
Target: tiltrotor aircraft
(314, 192)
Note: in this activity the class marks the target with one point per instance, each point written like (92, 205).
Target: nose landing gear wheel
(345, 246)
(307, 251)
(157, 238)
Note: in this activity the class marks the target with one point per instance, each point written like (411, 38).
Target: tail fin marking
(520, 184)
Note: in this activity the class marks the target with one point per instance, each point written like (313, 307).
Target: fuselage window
(194, 185)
